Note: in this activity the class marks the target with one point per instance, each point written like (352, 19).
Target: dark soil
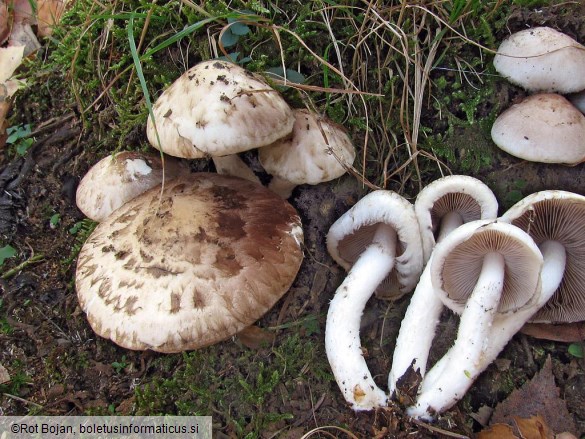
(60, 367)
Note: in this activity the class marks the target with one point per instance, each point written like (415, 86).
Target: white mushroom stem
(281, 186)
(342, 338)
(465, 357)
(417, 330)
(449, 222)
(233, 165)
(418, 327)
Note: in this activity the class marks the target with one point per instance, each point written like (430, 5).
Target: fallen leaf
(4, 375)
(567, 332)
(533, 428)
(4, 22)
(48, 14)
(498, 431)
(10, 59)
(254, 337)
(539, 396)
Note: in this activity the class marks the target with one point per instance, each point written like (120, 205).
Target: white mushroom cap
(319, 150)
(557, 216)
(217, 108)
(542, 59)
(466, 197)
(352, 233)
(116, 179)
(191, 267)
(543, 128)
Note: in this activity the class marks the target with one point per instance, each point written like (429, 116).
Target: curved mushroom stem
(417, 330)
(465, 359)
(553, 268)
(281, 187)
(449, 222)
(418, 327)
(342, 338)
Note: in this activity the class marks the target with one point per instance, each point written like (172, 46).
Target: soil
(40, 307)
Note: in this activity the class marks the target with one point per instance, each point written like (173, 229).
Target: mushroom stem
(553, 269)
(449, 222)
(342, 338)
(417, 330)
(281, 186)
(418, 327)
(465, 359)
(233, 165)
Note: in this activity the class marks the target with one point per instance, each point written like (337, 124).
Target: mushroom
(118, 178)
(481, 270)
(190, 266)
(542, 59)
(319, 150)
(556, 220)
(578, 100)
(542, 128)
(440, 208)
(378, 241)
(218, 109)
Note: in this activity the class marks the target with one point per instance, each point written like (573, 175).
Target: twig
(32, 260)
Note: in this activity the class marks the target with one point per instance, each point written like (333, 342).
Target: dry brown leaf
(533, 428)
(539, 396)
(4, 22)
(567, 332)
(10, 59)
(4, 375)
(498, 431)
(254, 337)
(48, 14)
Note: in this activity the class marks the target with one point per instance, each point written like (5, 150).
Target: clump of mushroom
(117, 179)
(378, 241)
(440, 208)
(218, 109)
(190, 265)
(487, 271)
(545, 127)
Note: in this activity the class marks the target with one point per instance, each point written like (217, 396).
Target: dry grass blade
(324, 431)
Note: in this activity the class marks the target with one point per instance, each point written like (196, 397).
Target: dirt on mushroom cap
(190, 267)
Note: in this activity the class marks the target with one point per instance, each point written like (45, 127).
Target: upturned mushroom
(118, 178)
(190, 266)
(318, 150)
(556, 220)
(543, 128)
(218, 109)
(482, 269)
(378, 241)
(440, 208)
(542, 59)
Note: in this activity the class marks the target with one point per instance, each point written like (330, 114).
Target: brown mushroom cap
(217, 108)
(116, 179)
(190, 267)
(543, 128)
(559, 216)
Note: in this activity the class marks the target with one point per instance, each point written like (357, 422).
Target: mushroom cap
(190, 266)
(118, 178)
(542, 59)
(559, 216)
(353, 232)
(466, 195)
(218, 108)
(458, 259)
(319, 150)
(543, 128)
